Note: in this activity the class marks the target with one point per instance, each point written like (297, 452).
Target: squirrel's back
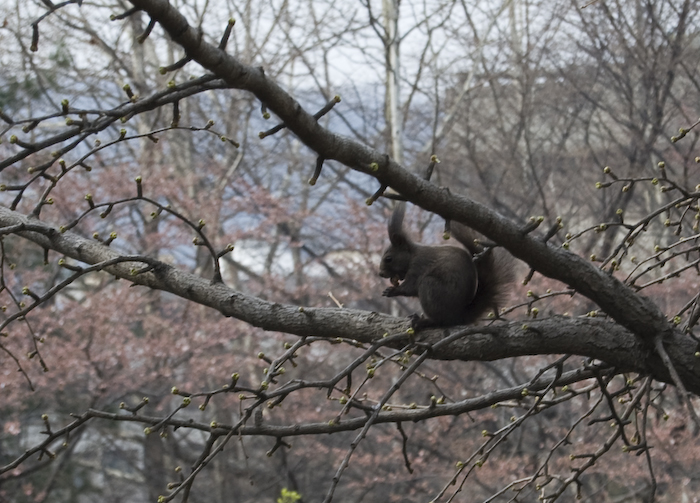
(494, 267)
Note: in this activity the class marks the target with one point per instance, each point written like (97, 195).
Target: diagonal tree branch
(634, 312)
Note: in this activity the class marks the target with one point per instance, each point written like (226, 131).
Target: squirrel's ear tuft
(397, 236)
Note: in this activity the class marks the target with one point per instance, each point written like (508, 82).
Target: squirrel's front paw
(389, 292)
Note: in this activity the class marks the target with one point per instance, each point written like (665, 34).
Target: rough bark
(596, 338)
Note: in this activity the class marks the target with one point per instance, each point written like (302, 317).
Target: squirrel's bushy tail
(495, 273)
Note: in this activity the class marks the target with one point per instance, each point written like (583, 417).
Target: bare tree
(161, 260)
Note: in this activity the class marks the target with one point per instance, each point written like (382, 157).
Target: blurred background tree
(524, 103)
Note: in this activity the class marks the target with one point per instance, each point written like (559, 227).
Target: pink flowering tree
(191, 222)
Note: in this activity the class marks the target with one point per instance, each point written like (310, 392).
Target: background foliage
(562, 112)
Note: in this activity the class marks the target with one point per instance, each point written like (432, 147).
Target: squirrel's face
(394, 264)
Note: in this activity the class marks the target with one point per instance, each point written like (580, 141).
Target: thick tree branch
(590, 337)
(634, 312)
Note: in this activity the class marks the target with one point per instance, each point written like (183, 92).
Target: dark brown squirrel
(455, 285)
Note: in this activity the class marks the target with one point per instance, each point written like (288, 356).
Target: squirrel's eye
(387, 259)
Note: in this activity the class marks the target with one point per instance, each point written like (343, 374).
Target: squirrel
(455, 285)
